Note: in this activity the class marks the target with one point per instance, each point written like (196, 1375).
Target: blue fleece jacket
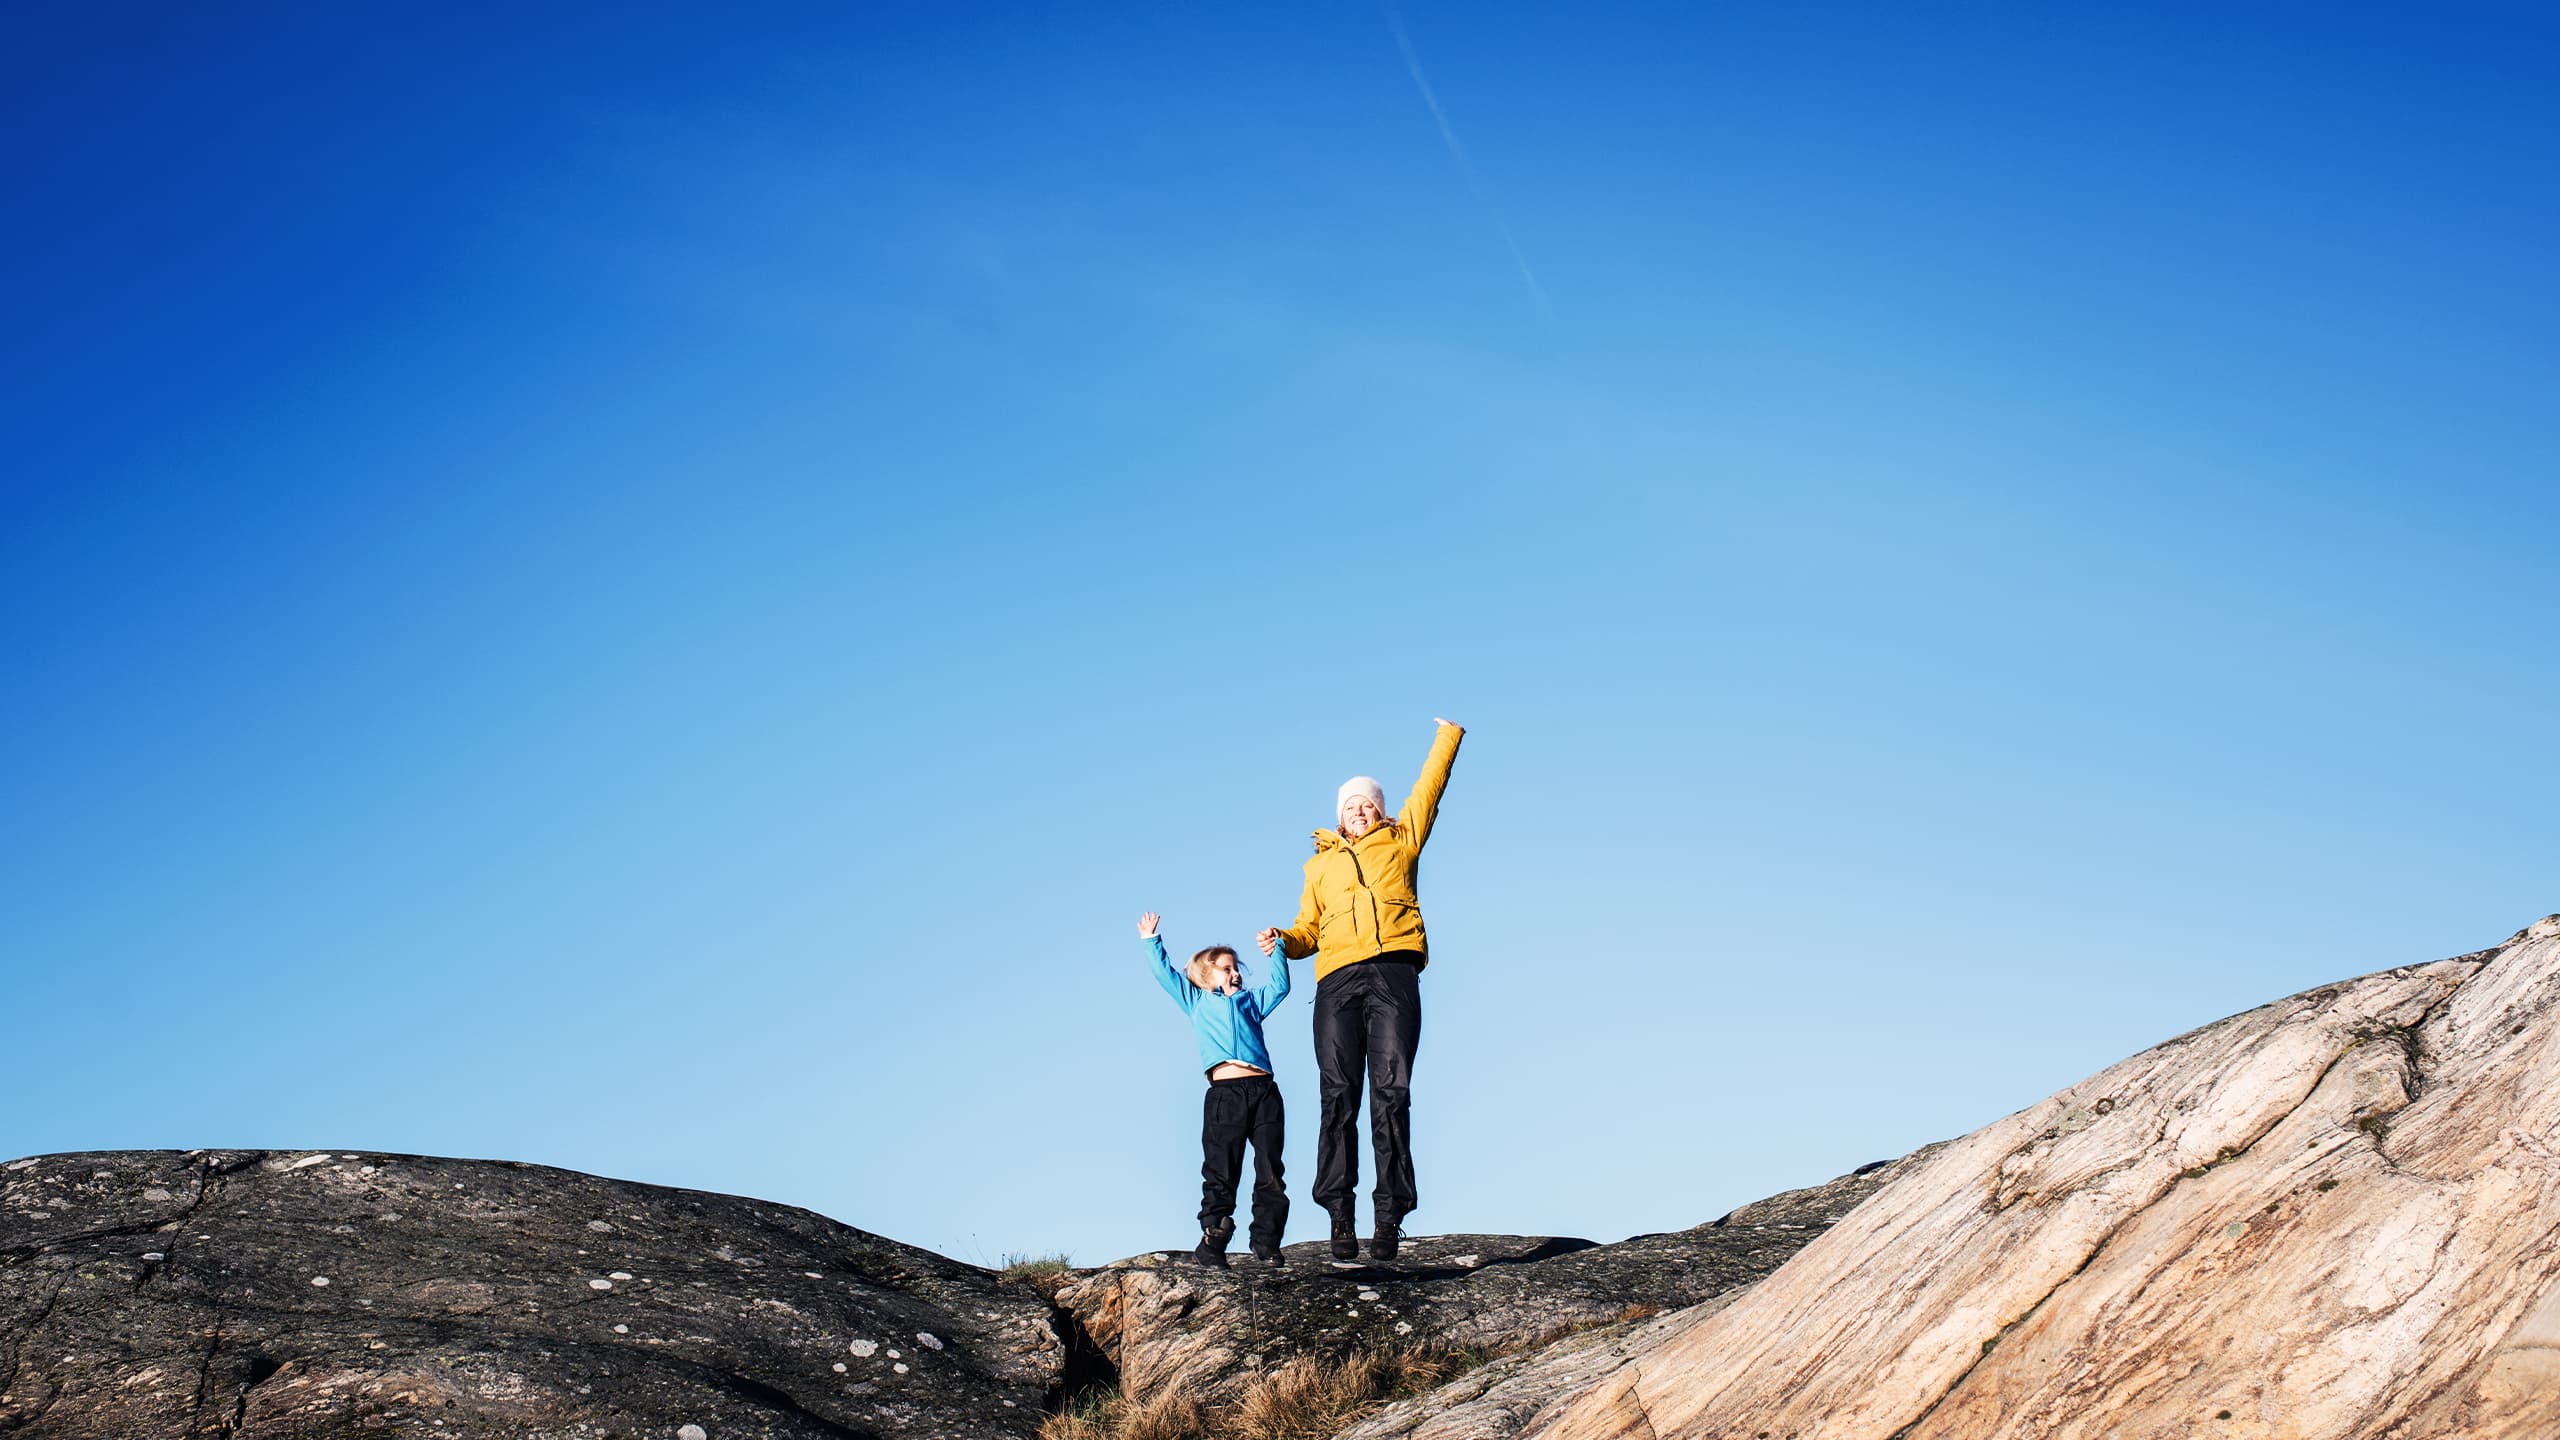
(1228, 1027)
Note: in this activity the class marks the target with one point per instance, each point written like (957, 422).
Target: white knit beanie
(1358, 785)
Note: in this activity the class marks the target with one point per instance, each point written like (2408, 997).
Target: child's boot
(1346, 1236)
(1214, 1235)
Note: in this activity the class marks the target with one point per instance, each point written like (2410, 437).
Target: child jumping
(1243, 1102)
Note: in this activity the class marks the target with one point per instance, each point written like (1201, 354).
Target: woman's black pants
(1368, 1017)
(1233, 1112)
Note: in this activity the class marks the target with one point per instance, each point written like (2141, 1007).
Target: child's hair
(1198, 971)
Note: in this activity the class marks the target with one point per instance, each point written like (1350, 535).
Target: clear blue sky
(655, 592)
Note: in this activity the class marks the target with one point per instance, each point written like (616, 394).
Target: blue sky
(655, 593)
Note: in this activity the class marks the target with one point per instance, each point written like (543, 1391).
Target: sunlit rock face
(309, 1294)
(2336, 1215)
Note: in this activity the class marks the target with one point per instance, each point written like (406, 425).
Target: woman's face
(1360, 815)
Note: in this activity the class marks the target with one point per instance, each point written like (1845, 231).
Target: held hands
(1268, 938)
(1147, 925)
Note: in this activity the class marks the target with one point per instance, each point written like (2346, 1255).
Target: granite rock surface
(289, 1296)
(2334, 1216)
(1169, 1323)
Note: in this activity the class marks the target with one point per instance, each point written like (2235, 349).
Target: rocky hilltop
(296, 1295)
(2334, 1216)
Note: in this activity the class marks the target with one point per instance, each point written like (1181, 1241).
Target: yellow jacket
(1359, 902)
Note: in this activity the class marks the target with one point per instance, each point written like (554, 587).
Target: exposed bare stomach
(1233, 1070)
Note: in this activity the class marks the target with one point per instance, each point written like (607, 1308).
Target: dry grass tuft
(1016, 1266)
(1107, 1415)
(1299, 1399)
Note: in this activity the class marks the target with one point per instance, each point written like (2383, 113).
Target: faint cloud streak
(1466, 167)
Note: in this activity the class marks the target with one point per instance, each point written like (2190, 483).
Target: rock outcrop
(1169, 1324)
(2333, 1216)
(294, 1296)
(2336, 1216)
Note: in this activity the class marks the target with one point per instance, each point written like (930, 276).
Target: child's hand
(1267, 938)
(1147, 924)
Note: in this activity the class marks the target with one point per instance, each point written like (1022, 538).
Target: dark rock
(1169, 1324)
(293, 1296)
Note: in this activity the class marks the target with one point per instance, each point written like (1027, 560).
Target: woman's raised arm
(1423, 806)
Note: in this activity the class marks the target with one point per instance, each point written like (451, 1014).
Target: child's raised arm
(1175, 983)
(1275, 989)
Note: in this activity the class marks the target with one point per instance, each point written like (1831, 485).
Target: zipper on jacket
(1377, 928)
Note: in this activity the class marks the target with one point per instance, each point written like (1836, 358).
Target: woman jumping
(1360, 917)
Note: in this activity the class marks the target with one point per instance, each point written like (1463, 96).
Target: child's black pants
(1233, 1112)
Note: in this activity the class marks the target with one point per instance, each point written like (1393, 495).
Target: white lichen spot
(599, 1284)
(894, 1355)
(1369, 1295)
(691, 1432)
(157, 1193)
(865, 1349)
(621, 1329)
(1009, 1405)
(812, 1274)
(928, 1341)
(1404, 1327)
(153, 1255)
(619, 1275)
(1351, 1309)
(1470, 1261)
(839, 1367)
(901, 1369)
(601, 1227)
(320, 1280)
(307, 1161)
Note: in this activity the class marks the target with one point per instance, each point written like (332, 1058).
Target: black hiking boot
(1383, 1241)
(1267, 1257)
(1346, 1237)
(1212, 1249)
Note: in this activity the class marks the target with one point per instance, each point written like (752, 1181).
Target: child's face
(1224, 977)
